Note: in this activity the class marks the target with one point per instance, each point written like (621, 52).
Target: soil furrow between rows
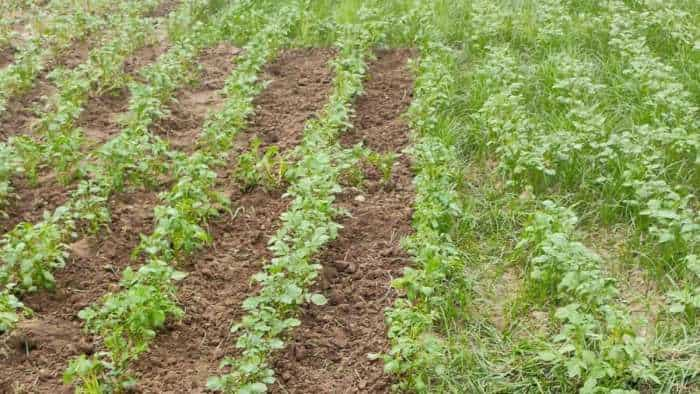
(100, 122)
(219, 278)
(38, 350)
(328, 352)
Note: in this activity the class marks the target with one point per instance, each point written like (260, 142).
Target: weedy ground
(453, 196)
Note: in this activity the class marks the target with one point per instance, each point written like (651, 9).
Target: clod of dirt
(328, 352)
(80, 249)
(31, 334)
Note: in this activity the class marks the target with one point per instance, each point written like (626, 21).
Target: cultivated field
(349, 196)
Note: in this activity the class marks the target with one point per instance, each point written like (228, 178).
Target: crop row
(307, 225)
(128, 320)
(60, 31)
(60, 147)
(31, 252)
(434, 286)
(640, 167)
(597, 348)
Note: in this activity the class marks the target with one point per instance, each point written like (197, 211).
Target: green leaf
(253, 388)
(318, 299)
(547, 356)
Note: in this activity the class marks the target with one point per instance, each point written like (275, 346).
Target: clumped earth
(329, 351)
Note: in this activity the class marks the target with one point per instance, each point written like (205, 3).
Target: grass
(549, 50)
(556, 156)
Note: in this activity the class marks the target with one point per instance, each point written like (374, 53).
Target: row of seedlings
(666, 173)
(307, 225)
(103, 71)
(31, 252)
(641, 172)
(598, 347)
(12, 12)
(435, 286)
(62, 29)
(128, 320)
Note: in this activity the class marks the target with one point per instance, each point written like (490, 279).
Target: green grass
(573, 84)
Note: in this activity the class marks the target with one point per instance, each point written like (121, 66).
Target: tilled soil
(328, 353)
(100, 121)
(189, 351)
(7, 56)
(39, 348)
(187, 114)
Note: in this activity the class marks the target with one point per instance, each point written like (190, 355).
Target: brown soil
(7, 56)
(31, 201)
(76, 54)
(148, 54)
(100, 121)
(187, 114)
(218, 280)
(22, 111)
(303, 91)
(39, 349)
(164, 8)
(328, 353)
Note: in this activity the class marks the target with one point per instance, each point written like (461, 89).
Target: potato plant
(597, 348)
(307, 225)
(433, 285)
(128, 320)
(134, 155)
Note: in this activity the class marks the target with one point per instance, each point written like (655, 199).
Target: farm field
(349, 196)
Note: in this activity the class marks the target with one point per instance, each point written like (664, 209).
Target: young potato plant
(686, 301)
(55, 33)
(384, 163)
(266, 168)
(306, 226)
(10, 164)
(130, 157)
(129, 320)
(11, 309)
(597, 348)
(30, 253)
(435, 286)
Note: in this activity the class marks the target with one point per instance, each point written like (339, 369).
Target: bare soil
(7, 56)
(189, 351)
(328, 353)
(187, 114)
